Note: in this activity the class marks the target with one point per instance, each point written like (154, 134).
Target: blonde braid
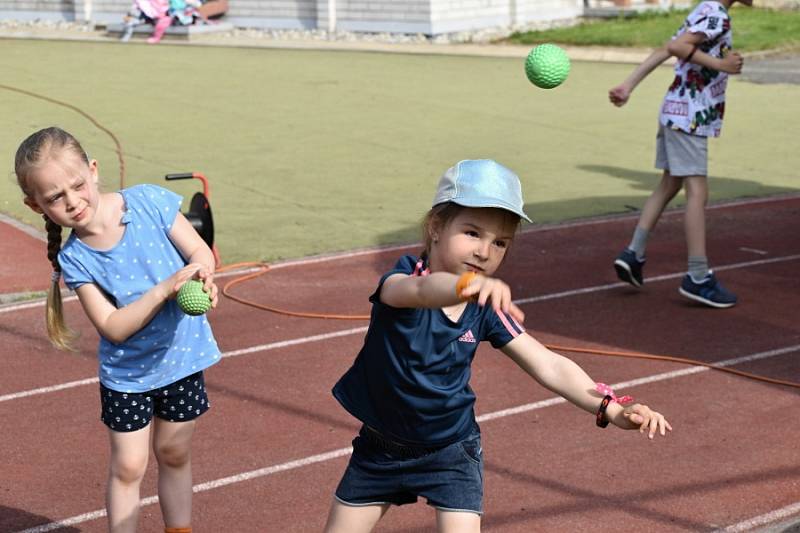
(57, 330)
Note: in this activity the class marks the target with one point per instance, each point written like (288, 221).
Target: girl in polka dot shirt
(126, 257)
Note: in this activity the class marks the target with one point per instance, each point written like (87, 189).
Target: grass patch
(753, 29)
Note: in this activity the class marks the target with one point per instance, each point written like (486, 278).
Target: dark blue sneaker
(629, 269)
(709, 291)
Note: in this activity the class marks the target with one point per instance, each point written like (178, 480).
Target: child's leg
(666, 190)
(127, 32)
(695, 223)
(130, 21)
(353, 519)
(161, 27)
(129, 454)
(457, 522)
(172, 445)
(630, 263)
(700, 284)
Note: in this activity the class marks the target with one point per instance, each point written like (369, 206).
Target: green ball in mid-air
(192, 299)
(547, 66)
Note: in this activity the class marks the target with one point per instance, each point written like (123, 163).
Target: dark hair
(34, 151)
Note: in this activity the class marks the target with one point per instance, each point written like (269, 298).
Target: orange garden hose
(263, 268)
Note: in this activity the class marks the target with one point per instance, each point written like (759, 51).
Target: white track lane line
(346, 332)
(764, 519)
(233, 353)
(334, 454)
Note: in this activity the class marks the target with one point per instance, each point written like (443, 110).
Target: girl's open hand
(484, 290)
(642, 417)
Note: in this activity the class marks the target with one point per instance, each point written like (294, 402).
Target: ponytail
(57, 330)
(33, 151)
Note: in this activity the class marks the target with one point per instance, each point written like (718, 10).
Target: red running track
(259, 454)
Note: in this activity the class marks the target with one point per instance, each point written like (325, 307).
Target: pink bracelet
(605, 390)
(608, 397)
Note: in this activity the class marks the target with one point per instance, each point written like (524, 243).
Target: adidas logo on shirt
(467, 337)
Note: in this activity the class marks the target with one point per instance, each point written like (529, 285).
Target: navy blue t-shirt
(410, 381)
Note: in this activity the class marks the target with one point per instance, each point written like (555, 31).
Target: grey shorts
(680, 153)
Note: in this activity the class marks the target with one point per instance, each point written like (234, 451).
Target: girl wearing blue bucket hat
(409, 384)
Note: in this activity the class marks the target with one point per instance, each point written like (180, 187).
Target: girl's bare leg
(129, 454)
(457, 522)
(172, 445)
(353, 519)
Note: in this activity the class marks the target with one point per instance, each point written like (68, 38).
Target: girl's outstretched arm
(439, 290)
(564, 377)
(434, 290)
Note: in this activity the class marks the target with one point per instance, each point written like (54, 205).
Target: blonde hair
(31, 154)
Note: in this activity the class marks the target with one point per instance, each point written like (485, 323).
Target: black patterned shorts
(184, 400)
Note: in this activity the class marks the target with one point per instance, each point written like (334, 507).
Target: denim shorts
(681, 154)
(450, 478)
(184, 400)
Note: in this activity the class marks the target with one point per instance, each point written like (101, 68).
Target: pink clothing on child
(154, 9)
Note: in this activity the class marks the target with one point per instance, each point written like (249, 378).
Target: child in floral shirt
(691, 112)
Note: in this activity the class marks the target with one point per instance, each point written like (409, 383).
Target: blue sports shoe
(709, 291)
(629, 269)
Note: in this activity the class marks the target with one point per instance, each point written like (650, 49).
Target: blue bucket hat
(481, 183)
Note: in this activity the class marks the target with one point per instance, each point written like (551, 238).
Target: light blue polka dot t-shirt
(173, 345)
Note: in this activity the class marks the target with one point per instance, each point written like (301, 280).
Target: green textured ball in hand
(547, 66)
(192, 299)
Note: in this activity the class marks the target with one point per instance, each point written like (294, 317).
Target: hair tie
(605, 390)
(55, 276)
